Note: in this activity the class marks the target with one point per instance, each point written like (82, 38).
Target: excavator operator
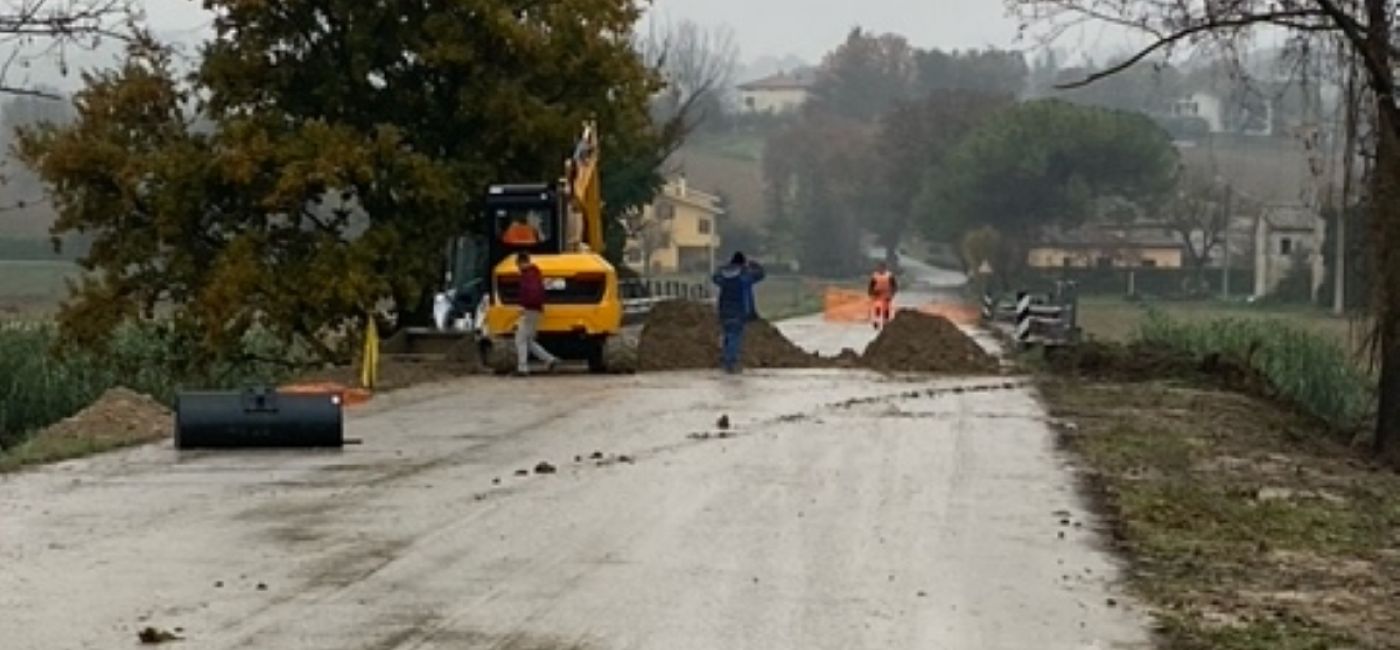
(520, 233)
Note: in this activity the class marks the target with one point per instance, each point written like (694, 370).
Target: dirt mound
(684, 335)
(918, 342)
(119, 416)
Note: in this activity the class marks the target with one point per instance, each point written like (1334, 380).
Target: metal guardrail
(639, 297)
(1030, 319)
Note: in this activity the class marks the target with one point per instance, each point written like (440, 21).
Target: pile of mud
(683, 335)
(119, 416)
(919, 342)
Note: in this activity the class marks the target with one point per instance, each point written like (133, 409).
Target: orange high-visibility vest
(519, 234)
(881, 284)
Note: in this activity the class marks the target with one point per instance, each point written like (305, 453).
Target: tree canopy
(882, 114)
(349, 142)
(1043, 164)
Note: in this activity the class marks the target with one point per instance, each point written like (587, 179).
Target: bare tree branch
(1166, 41)
(37, 30)
(698, 65)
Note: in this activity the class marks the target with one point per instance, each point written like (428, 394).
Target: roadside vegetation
(1247, 527)
(1225, 455)
(43, 382)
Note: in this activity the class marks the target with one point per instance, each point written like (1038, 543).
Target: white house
(1205, 106)
(780, 93)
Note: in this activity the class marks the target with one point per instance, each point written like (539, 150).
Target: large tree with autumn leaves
(324, 151)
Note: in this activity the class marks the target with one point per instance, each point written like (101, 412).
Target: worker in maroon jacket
(532, 296)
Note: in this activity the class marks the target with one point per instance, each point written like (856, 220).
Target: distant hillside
(30, 222)
(730, 165)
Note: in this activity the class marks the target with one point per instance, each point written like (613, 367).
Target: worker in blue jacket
(736, 305)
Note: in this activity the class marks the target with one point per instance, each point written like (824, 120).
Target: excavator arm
(586, 193)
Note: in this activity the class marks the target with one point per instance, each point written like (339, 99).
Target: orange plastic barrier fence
(849, 306)
(846, 306)
(348, 396)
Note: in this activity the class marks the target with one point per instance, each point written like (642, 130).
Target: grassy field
(1115, 319)
(736, 146)
(33, 288)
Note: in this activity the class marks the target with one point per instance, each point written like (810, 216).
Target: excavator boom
(586, 192)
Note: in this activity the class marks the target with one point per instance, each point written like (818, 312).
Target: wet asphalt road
(841, 510)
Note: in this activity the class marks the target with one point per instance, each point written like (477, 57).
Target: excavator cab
(528, 218)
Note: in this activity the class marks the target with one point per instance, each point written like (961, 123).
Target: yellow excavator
(561, 226)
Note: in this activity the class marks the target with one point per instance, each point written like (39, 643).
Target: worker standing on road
(736, 306)
(532, 297)
(883, 286)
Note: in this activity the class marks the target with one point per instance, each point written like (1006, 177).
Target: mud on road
(839, 509)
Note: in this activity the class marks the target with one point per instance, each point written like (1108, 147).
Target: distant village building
(1285, 237)
(784, 92)
(678, 232)
(1205, 106)
(1132, 246)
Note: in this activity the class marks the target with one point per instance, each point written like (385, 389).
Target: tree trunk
(1386, 225)
(1387, 260)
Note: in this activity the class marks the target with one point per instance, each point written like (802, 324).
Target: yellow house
(678, 232)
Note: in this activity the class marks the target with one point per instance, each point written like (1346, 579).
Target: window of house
(703, 226)
(1105, 262)
(1149, 264)
(1285, 246)
(665, 210)
(749, 101)
(1067, 261)
(634, 256)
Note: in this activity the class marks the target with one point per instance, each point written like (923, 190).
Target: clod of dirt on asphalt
(597, 455)
(522, 472)
(722, 422)
(156, 636)
(119, 416)
(545, 468)
(262, 586)
(496, 481)
(919, 342)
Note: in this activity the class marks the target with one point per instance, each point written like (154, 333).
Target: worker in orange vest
(883, 286)
(520, 233)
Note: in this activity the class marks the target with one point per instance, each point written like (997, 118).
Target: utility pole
(1339, 266)
(1228, 218)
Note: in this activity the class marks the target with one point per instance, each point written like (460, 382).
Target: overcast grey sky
(805, 28)
(810, 28)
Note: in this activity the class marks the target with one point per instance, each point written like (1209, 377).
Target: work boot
(550, 367)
